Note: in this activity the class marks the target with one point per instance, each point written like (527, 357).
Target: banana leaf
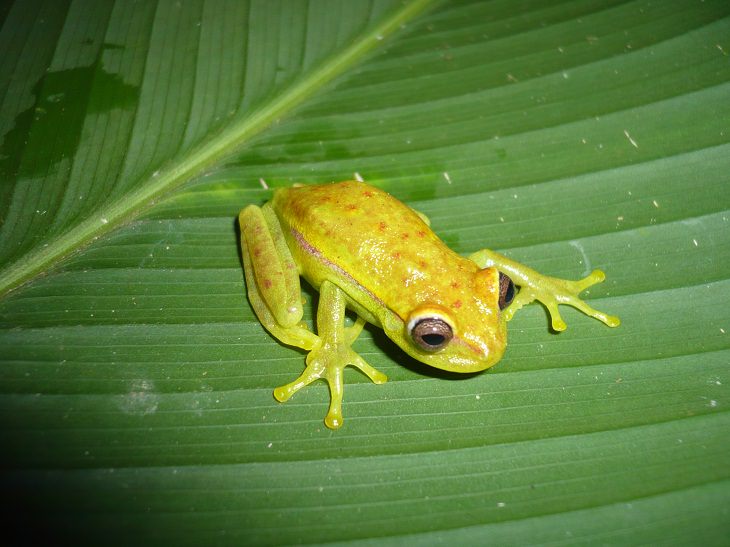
(136, 382)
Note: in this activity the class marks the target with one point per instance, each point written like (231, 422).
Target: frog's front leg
(328, 359)
(551, 291)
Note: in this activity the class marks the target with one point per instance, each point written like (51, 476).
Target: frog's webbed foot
(331, 354)
(551, 291)
(328, 362)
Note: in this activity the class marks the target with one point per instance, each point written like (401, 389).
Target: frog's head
(469, 337)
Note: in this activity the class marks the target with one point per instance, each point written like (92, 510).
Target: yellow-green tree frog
(366, 251)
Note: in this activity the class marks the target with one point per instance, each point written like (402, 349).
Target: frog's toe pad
(334, 420)
(595, 277)
(282, 394)
(557, 323)
(610, 320)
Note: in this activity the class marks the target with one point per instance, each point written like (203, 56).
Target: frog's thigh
(271, 265)
(284, 325)
(295, 335)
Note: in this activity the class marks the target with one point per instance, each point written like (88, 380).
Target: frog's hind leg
(551, 291)
(328, 359)
(295, 335)
(272, 279)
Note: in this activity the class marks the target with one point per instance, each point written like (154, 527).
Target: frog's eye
(431, 333)
(506, 291)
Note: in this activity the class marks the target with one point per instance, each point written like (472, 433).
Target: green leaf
(135, 382)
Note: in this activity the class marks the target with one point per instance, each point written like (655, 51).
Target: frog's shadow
(380, 339)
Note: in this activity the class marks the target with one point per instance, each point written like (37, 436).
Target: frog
(365, 251)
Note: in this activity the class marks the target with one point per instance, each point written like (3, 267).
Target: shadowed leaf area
(136, 383)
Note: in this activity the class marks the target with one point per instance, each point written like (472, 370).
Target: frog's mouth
(461, 355)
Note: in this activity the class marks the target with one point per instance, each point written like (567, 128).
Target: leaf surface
(136, 383)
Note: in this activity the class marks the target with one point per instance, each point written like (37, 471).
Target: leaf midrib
(206, 156)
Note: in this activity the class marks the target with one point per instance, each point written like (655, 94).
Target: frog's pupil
(431, 333)
(433, 339)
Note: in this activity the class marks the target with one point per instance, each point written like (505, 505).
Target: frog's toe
(556, 320)
(334, 419)
(334, 377)
(328, 363)
(524, 297)
(283, 393)
(595, 277)
(608, 320)
(310, 374)
(371, 372)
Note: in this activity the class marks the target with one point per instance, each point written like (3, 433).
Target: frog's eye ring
(431, 333)
(506, 291)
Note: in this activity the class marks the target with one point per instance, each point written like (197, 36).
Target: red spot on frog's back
(370, 236)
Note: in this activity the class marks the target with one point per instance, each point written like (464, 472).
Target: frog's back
(370, 237)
